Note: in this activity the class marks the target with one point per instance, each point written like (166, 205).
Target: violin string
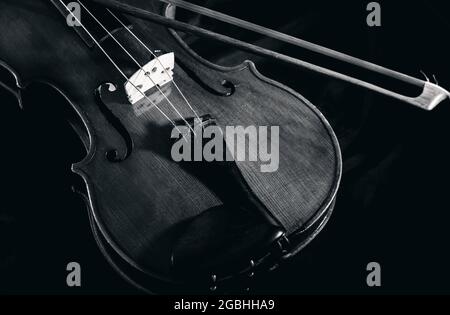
(117, 67)
(157, 58)
(138, 64)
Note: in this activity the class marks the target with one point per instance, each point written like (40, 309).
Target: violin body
(142, 204)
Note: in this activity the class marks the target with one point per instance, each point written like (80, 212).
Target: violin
(137, 93)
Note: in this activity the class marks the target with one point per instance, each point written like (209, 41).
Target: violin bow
(431, 96)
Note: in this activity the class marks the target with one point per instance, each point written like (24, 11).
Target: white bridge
(156, 73)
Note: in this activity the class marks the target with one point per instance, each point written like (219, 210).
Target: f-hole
(113, 155)
(229, 87)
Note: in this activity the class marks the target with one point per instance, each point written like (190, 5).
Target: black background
(392, 206)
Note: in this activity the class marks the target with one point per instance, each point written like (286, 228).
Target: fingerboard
(83, 17)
